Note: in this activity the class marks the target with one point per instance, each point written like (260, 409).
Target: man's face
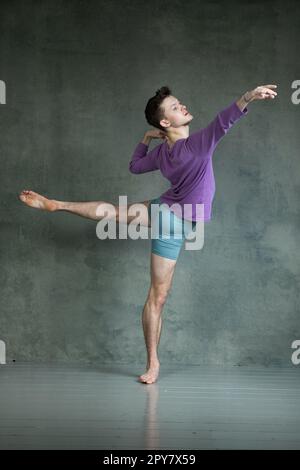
(175, 113)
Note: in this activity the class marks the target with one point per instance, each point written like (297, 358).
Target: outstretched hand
(261, 93)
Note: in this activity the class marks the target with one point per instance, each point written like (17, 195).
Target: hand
(156, 134)
(261, 93)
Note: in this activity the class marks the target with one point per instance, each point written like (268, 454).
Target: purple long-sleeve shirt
(188, 165)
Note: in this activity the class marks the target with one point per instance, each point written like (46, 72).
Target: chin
(188, 120)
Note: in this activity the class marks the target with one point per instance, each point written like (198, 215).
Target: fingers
(265, 92)
(269, 90)
(271, 93)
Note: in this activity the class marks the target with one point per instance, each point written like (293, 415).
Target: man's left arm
(259, 93)
(204, 141)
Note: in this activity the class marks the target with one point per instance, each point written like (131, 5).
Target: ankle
(153, 363)
(57, 205)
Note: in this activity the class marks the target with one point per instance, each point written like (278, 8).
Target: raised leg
(162, 272)
(86, 209)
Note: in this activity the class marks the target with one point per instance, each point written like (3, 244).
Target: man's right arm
(146, 140)
(143, 161)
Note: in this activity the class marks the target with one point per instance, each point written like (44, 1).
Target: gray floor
(50, 406)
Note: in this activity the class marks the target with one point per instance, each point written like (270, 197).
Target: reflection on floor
(47, 406)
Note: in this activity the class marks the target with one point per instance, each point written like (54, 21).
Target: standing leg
(157, 337)
(162, 271)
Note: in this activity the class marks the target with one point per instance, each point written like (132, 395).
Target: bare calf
(162, 272)
(94, 210)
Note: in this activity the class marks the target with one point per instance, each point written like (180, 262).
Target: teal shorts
(166, 245)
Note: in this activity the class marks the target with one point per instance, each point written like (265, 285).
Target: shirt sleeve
(141, 161)
(204, 141)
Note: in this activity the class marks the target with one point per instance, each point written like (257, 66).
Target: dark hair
(154, 112)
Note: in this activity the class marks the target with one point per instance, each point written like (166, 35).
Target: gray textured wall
(78, 75)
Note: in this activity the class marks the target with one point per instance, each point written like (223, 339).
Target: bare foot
(151, 375)
(32, 199)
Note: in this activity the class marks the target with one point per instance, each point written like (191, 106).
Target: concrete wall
(78, 75)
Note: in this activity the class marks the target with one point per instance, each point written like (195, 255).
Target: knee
(107, 210)
(158, 297)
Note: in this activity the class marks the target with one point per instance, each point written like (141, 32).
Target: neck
(175, 134)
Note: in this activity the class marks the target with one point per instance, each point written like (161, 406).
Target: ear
(164, 123)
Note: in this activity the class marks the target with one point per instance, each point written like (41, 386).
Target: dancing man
(186, 161)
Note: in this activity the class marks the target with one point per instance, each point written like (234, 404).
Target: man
(186, 161)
